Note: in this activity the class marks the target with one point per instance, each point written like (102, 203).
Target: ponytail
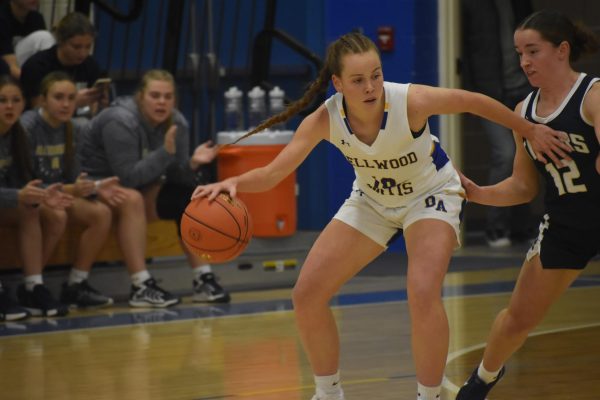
(350, 43)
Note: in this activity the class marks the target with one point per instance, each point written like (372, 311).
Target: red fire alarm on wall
(385, 38)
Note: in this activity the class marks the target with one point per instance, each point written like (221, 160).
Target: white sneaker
(497, 239)
(339, 396)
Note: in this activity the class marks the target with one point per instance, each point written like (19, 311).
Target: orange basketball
(217, 231)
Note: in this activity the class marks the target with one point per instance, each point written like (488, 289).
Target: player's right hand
(169, 142)
(32, 194)
(212, 190)
(56, 198)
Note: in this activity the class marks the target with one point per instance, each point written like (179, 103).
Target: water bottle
(276, 105)
(234, 110)
(257, 107)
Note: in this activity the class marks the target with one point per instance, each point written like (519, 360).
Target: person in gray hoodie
(54, 137)
(144, 140)
(37, 212)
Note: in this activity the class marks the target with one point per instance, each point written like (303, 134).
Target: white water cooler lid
(266, 137)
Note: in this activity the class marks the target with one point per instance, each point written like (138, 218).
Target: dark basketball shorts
(564, 247)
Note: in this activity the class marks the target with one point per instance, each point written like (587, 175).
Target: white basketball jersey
(400, 164)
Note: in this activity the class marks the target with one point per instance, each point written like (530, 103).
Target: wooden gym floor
(249, 349)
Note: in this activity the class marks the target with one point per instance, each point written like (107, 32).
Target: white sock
(140, 277)
(487, 376)
(201, 269)
(328, 385)
(428, 392)
(32, 280)
(77, 276)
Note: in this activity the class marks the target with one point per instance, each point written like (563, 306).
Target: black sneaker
(40, 302)
(149, 294)
(9, 309)
(475, 388)
(207, 290)
(82, 295)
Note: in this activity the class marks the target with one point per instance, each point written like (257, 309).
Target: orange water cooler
(273, 212)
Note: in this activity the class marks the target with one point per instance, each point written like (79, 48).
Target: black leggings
(172, 200)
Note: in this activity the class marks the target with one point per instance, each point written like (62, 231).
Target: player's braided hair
(350, 43)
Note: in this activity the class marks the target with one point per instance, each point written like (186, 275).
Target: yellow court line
(458, 353)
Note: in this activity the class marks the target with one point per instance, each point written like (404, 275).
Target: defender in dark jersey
(569, 234)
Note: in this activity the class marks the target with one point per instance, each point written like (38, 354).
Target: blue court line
(184, 312)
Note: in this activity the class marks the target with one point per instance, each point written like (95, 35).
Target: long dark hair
(350, 43)
(556, 28)
(20, 150)
(47, 82)
(73, 24)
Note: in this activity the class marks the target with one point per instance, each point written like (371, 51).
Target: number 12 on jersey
(564, 179)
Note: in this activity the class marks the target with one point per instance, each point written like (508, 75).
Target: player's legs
(53, 225)
(169, 202)
(40, 229)
(96, 219)
(29, 233)
(131, 230)
(132, 220)
(26, 220)
(337, 255)
(429, 244)
(536, 290)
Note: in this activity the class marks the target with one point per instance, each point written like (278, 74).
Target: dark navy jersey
(572, 190)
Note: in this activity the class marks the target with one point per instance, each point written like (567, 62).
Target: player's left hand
(109, 190)
(548, 142)
(204, 154)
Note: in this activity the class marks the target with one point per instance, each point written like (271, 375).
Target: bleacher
(194, 40)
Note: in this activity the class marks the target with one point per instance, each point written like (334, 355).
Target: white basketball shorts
(382, 224)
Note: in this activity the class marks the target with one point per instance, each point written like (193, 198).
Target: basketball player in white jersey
(569, 234)
(404, 184)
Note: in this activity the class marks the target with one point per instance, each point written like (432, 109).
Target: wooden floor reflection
(250, 350)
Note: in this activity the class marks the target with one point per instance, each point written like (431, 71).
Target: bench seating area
(162, 241)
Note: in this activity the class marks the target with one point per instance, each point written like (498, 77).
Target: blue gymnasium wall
(325, 178)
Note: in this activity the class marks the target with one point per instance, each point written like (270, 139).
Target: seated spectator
(38, 213)
(144, 141)
(75, 37)
(54, 138)
(53, 121)
(22, 33)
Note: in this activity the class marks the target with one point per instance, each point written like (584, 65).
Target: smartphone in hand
(101, 83)
(102, 86)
